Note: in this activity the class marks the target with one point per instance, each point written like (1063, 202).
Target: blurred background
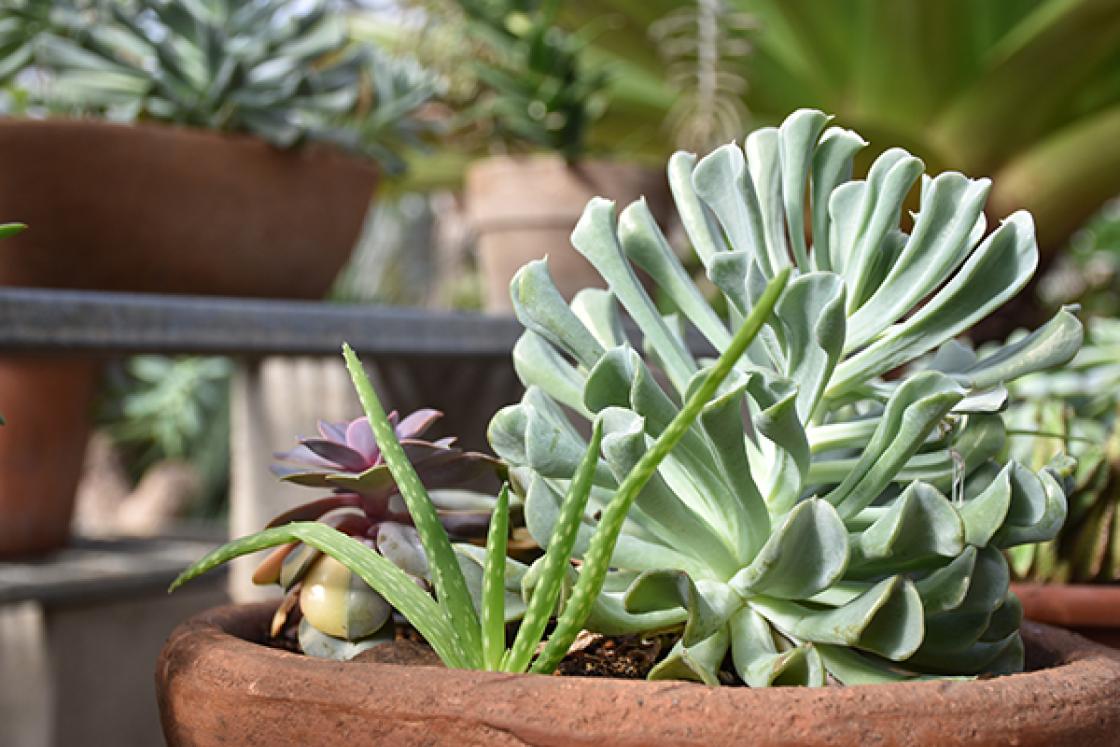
(415, 153)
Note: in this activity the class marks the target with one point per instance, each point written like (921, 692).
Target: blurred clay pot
(216, 685)
(146, 208)
(523, 208)
(160, 209)
(1092, 610)
(46, 404)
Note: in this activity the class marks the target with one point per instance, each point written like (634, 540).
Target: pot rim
(1083, 684)
(1078, 605)
(173, 130)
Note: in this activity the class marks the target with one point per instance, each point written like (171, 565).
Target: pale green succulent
(838, 508)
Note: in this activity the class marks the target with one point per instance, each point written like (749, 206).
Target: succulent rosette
(341, 615)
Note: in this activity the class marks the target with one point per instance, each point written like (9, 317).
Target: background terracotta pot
(1093, 610)
(146, 208)
(524, 208)
(175, 210)
(216, 687)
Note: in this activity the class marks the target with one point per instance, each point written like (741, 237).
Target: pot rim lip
(1077, 658)
(171, 130)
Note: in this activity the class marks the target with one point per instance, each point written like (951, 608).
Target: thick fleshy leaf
(538, 364)
(886, 620)
(812, 315)
(920, 523)
(540, 307)
(759, 663)
(806, 554)
(699, 663)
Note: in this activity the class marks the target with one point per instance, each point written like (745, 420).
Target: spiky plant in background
(851, 524)
(340, 614)
(1077, 411)
(286, 71)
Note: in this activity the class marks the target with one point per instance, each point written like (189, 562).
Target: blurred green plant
(1088, 272)
(1077, 411)
(515, 80)
(160, 407)
(288, 71)
(1026, 92)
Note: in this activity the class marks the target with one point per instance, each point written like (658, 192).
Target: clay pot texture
(217, 687)
(46, 403)
(162, 209)
(1093, 610)
(149, 208)
(524, 208)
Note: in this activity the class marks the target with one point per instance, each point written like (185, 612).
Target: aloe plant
(839, 508)
(1076, 410)
(286, 71)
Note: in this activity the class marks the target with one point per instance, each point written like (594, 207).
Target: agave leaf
(643, 242)
(804, 555)
(764, 164)
(871, 212)
(722, 181)
(918, 524)
(594, 237)
(855, 668)
(1052, 344)
(598, 311)
(657, 507)
(832, 165)
(540, 307)
(538, 364)
(610, 381)
(786, 446)
(746, 513)
(1037, 510)
(812, 314)
(995, 272)
(886, 620)
(759, 663)
(911, 414)
(699, 663)
(951, 205)
(797, 138)
(698, 223)
(946, 588)
(710, 604)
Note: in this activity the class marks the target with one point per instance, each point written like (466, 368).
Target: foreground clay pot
(216, 686)
(156, 209)
(1093, 610)
(524, 208)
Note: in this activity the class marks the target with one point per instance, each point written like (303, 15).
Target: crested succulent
(1076, 410)
(286, 71)
(839, 508)
(341, 614)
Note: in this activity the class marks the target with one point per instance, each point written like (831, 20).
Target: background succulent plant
(839, 508)
(341, 615)
(286, 71)
(1076, 411)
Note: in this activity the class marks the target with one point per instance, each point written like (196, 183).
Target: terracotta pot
(156, 209)
(1093, 610)
(46, 403)
(524, 208)
(217, 687)
(165, 209)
